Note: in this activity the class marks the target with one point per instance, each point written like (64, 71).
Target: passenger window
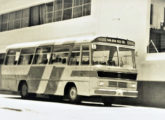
(75, 56)
(85, 55)
(26, 56)
(60, 54)
(2, 57)
(12, 57)
(42, 55)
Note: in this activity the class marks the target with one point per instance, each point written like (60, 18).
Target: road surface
(12, 107)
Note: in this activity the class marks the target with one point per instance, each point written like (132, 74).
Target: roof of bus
(54, 42)
(71, 40)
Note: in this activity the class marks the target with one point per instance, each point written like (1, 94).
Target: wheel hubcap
(24, 90)
(73, 93)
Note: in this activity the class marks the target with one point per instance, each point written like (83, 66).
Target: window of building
(81, 8)
(60, 54)
(26, 56)
(75, 56)
(45, 13)
(86, 9)
(4, 23)
(12, 57)
(34, 15)
(42, 55)
(58, 10)
(25, 17)
(11, 21)
(77, 8)
(151, 14)
(15, 20)
(49, 12)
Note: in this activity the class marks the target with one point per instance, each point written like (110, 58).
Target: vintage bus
(103, 67)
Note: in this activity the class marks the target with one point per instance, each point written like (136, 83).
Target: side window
(26, 56)
(12, 57)
(42, 55)
(2, 57)
(75, 56)
(60, 54)
(85, 55)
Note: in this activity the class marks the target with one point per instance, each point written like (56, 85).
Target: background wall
(127, 19)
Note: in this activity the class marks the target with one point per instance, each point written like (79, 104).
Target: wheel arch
(20, 83)
(67, 86)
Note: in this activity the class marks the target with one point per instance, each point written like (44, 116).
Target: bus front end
(116, 70)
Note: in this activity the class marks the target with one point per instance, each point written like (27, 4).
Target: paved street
(12, 107)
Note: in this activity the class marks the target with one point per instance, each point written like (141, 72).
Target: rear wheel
(72, 95)
(24, 90)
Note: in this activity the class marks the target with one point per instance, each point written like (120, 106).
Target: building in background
(137, 20)
(151, 74)
(26, 21)
(157, 26)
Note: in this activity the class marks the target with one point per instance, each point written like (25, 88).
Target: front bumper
(117, 93)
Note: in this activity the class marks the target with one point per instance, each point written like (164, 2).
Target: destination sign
(115, 41)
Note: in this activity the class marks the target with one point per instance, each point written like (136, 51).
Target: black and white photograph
(82, 59)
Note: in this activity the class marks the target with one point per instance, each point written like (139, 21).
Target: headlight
(132, 85)
(101, 83)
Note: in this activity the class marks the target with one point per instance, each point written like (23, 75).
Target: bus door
(53, 70)
(40, 70)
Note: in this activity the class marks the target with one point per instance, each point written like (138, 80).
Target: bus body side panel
(0, 77)
(34, 78)
(80, 76)
(57, 78)
(11, 76)
(50, 80)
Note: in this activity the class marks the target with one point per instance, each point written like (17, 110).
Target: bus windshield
(108, 55)
(127, 57)
(105, 55)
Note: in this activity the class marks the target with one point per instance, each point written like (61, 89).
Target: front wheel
(24, 91)
(107, 101)
(73, 96)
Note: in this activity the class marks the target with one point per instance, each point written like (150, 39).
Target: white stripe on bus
(44, 79)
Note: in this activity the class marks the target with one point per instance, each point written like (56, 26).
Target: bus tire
(107, 102)
(24, 90)
(72, 95)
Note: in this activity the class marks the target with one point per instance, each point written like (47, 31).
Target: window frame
(79, 59)
(26, 54)
(15, 61)
(60, 47)
(81, 55)
(35, 62)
